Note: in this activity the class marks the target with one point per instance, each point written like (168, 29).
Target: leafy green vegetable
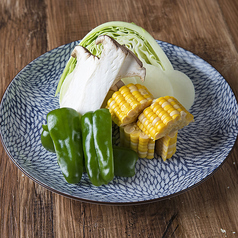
(135, 38)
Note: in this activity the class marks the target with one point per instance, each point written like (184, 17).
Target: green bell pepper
(97, 146)
(90, 156)
(124, 161)
(46, 139)
(64, 126)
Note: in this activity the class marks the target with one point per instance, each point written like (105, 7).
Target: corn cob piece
(132, 137)
(128, 102)
(165, 115)
(166, 146)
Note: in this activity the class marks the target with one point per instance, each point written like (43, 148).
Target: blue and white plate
(202, 146)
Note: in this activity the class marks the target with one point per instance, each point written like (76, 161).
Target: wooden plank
(229, 11)
(218, 196)
(90, 220)
(26, 208)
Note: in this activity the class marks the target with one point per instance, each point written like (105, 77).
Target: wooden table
(207, 28)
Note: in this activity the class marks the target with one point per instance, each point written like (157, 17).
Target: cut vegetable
(132, 137)
(126, 104)
(87, 86)
(135, 38)
(182, 86)
(163, 117)
(166, 146)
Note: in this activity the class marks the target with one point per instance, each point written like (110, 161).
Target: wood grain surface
(208, 28)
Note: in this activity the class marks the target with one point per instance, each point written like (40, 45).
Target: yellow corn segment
(165, 115)
(131, 136)
(166, 146)
(128, 102)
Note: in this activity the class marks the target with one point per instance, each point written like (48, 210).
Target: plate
(202, 146)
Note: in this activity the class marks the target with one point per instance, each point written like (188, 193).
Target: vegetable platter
(203, 145)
